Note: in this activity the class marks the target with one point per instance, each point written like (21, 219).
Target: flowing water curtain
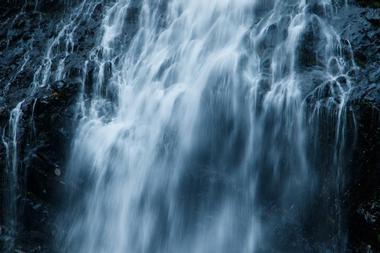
(195, 138)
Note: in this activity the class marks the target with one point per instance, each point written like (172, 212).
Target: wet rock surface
(360, 24)
(43, 137)
(47, 116)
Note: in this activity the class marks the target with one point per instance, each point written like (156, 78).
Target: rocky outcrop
(44, 134)
(360, 24)
(45, 127)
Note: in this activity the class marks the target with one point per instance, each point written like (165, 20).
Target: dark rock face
(369, 3)
(44, 134)
(47, 116)
(360, 24)
(364, 189)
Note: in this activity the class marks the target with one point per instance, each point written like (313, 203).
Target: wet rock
(74, 66)
(50, 5)
(45, 127)
(364, 189)
(369, 3)
(361, 27)
(46, 132)
(373, 16)
(310, 45)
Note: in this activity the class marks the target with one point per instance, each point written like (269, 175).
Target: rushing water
(201, 130)
(195, 139)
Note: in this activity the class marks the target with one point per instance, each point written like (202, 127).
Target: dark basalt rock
(364, 187)
(45, 127)
(44, 134)
(369, 3)
(361, 27)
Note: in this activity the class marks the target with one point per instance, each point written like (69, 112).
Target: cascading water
(200, 130)
(195, 138)
(12, 160)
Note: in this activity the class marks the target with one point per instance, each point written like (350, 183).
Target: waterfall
(12, 160)
(196, 134)
(201, 127)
